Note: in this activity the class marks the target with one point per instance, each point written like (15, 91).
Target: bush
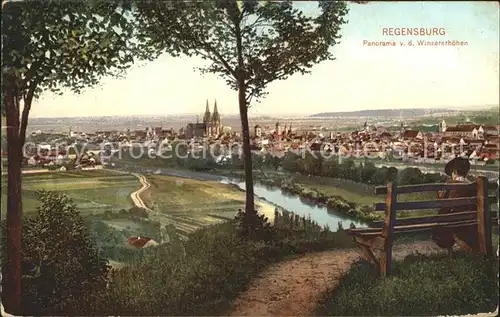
(139, 212)
(61, 267)
(419, 285)
(254, 226)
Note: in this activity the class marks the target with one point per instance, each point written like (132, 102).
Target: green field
(190, 204)
(92, 191)
(349, 190)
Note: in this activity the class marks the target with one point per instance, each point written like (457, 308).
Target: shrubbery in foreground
(203, 275)
(62, 270)
(65, 274)
(420, 285)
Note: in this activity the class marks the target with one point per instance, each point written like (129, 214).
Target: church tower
(216, 125)
(278, 128)
(207, 120)
(442, 127)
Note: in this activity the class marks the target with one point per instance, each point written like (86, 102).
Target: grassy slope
(419, 285)
(203, 275)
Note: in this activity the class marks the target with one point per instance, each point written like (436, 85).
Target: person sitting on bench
(465, 237)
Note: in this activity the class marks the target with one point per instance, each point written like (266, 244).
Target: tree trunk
(247, 154)
(12, 269)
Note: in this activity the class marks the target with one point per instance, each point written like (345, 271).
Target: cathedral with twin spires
(210, 127)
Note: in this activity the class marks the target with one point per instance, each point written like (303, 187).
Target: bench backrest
(481, 200)
(478, 187)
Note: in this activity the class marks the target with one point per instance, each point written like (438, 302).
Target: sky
(361, 77)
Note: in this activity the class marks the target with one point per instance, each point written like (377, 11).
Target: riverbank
(434, 167)
(315, 194)
(304, 205)
(337, 197)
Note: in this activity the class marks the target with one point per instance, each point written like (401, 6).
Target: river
(321, 215)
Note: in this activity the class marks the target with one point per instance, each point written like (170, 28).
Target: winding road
(136, 198)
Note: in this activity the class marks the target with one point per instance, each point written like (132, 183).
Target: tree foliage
(277, 38)
(54, 44)
(365, 172)
(49, 45)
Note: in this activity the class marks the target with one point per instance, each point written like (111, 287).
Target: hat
(460, 164)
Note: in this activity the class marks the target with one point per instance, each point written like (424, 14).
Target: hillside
(394, 113)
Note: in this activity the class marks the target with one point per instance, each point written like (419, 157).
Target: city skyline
(364, 77)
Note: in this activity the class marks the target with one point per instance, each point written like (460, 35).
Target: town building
(410, 135)
(210, 127)
(257, 131)
(468, 130)
(141, 242)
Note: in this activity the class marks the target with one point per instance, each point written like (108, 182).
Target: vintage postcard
(250, 158)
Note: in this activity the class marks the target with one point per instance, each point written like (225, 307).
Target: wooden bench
(380, 235)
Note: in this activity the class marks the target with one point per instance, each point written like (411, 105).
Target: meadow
(189, 204)
(185, 203)
(93, 192)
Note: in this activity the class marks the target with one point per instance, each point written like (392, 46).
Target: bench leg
(385, 262)
(369, 255)
(463, 245)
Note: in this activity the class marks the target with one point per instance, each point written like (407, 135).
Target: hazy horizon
(272, 115)
(361, 78)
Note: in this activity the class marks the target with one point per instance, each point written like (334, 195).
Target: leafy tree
(313, 163)
(392, 174)
(215, 149)
(293, 163)
(330, 167)
(380, 176)
(410, 176)
(272, 161)
(179, 152)
(61, 265)
(276, 162)
(49, 45)
(248, 43)
(348, 169)
(236, 161)
(257, 161)
(433, 178)
(367, 171)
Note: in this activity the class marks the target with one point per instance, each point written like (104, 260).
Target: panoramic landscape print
(249, 158)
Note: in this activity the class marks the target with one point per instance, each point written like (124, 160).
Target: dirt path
(292, 288)
(136, 198)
